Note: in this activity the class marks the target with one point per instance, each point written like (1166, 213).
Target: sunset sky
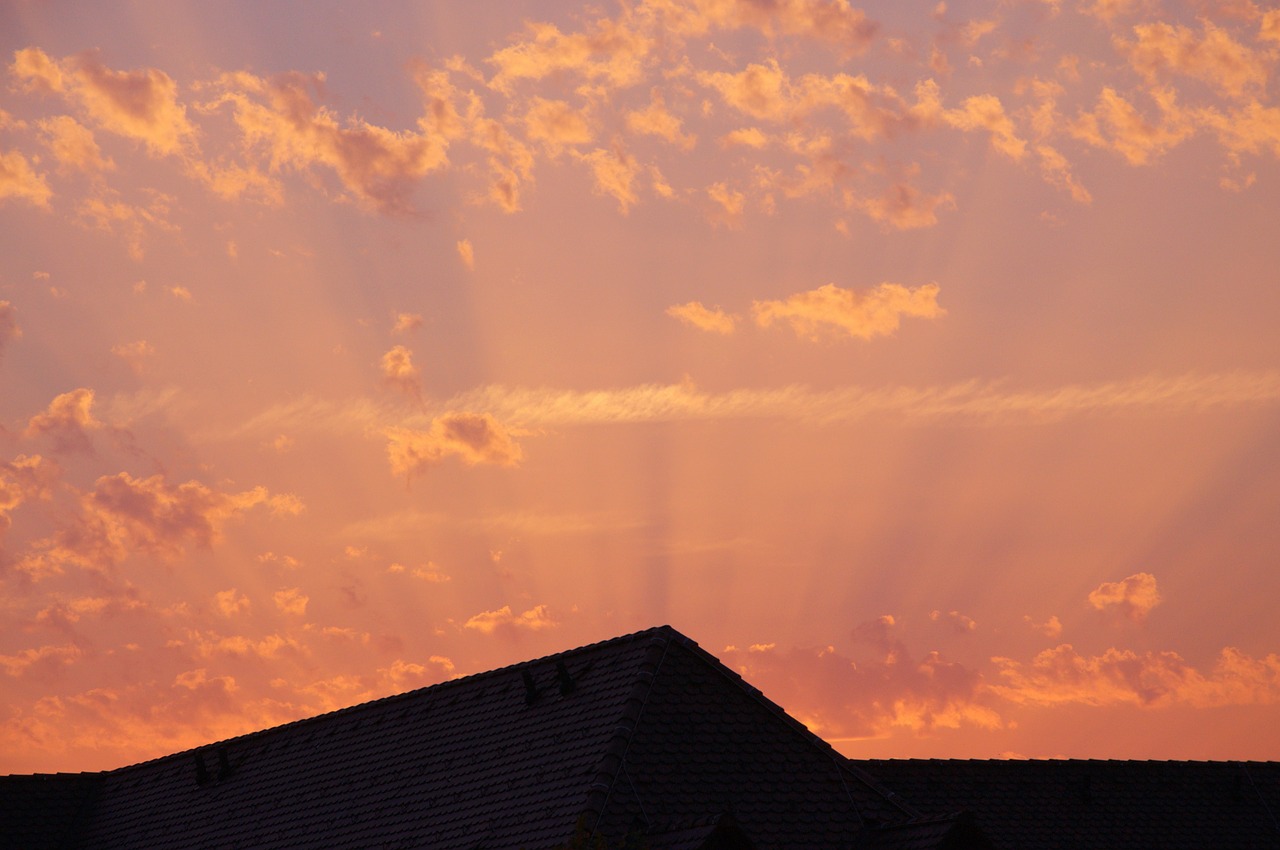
(920, 362)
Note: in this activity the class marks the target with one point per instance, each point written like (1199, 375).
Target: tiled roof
(1079, 804)
(42, 812)
(631, 734)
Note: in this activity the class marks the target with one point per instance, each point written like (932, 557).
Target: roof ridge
(840, 761)
(611, 763)
(924, 760)
(390, 698)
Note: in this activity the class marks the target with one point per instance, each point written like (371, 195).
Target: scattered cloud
(713, 320)
(231, 602)
(134, 353)
(1159, 49)
(1134, 597)
(1051, 628)
(291, 600)
(729, 205)
(22, 479)
(606, 51)
(467, 254)
(535, 619)
(123, 515)
(67, 421)
(1116, 124)
(1062, 676)
(475, 438)
(282, 119)
(904, 207)
(398, 371)
(839, 697)
(614, 171)
(73, 145)
(557, 125)
(141, 105)
(958, 622)
(404, 323)
(830, 309)
(657, 120)
(40, 661)
(18, 179)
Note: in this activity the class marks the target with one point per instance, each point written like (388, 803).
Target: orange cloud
(148, 719)
(210, 645)
(904, 207)
(134, 353)
(831, 21)
(123, 515)
(406, 322)
(467, 254)
(1152, 679)
(1050, 628)
(1214, 58)
(35, 71)
(408, 675)
(980, 112)
(842, 698)
(878, 312)
(1109, 10)
(510, 161)
(73, 144)
(399, 371)
(693, 313)
(749, 137)
(22, 479)
(135, 221)
(959, 622)
(535, 619)
(1269, 28)
(1057, 172)
(40, 661)
(1117, 125)
(607, 51)
(1250, 128)
(1134, 597)
(19, 180)
(768, 93)
(729, 204)
(556, 125)
(140, 105)
(9, 330)
(614, 173)
(379, 166)
(231, 602)
(291, 600)
(67, 421)
(62, 614)
(656, 120)
(475, 438)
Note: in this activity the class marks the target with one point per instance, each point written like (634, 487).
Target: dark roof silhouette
(1086, 804)
(644, 734)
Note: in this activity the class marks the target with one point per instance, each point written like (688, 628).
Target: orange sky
(921, 364)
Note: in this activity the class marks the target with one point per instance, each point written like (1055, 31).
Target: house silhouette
(642, 741)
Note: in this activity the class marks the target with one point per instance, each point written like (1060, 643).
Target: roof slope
(705, 741)
(42, 812)
(643, 732)
(1079, 804)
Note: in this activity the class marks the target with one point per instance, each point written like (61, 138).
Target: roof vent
(567, 684)
(202, 772)
(530, 689)
(224, 764)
